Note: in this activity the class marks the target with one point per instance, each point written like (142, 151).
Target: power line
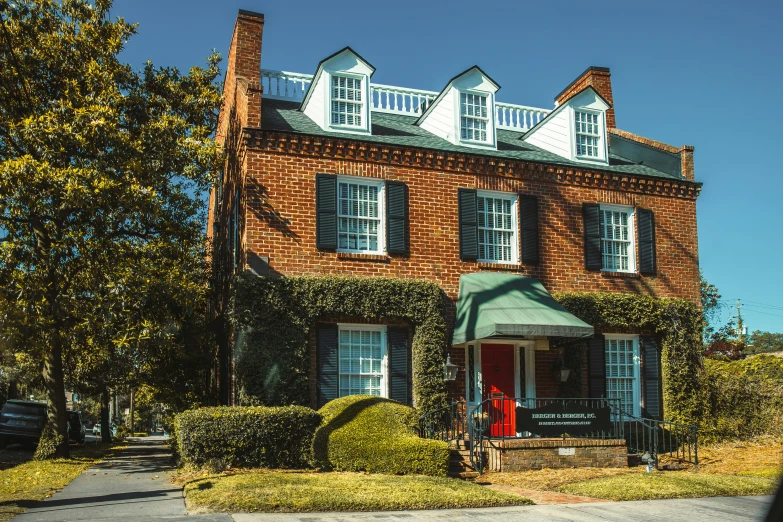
(765, 313)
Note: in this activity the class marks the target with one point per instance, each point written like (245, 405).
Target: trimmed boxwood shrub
(254, 436)
(362, 433)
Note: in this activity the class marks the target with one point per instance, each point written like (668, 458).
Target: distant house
(497, 203)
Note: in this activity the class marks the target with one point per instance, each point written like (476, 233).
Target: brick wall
(526, 454)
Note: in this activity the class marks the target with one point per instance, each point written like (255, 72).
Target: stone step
(465, 475)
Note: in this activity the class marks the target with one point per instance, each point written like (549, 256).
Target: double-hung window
(347, 101)
(362, 360)
(617, 246)
(588, 134)
(622, 372)
(497, 227)
(359, 216)
(474, 117)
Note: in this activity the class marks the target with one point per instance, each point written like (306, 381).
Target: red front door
(497, 371)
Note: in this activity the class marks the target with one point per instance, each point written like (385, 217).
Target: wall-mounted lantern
(449, 370)
(560, 371)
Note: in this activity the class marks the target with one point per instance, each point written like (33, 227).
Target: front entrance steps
(459, 461)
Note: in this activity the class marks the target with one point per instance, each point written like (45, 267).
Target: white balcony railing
(288, 86)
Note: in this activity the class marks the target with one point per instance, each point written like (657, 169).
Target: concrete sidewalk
(678, 510)
(134, 485)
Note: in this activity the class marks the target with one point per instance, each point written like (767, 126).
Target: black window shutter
(326, 340)
(651, 377)
(468, 224)
(325, 211)
(396, 217)
(596, 367)
(399, 384)
(645, 222)
(591, 212)
(528, 224)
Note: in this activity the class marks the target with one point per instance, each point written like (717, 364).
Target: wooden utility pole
(132, 426)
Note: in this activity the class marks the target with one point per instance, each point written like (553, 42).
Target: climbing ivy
(678, 325)
(272, 320)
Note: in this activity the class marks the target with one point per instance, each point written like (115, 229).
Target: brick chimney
(242, 87)
(599, 78)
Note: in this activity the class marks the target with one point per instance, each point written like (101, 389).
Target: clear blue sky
(707, 74)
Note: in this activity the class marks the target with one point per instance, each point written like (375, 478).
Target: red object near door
(497, 371)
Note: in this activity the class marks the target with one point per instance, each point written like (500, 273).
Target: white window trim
(602, 141)
(631, 235)
(514, 197)
(384, 353)
(491, 140)
(381, 213)
(365, 113)
(637, 379)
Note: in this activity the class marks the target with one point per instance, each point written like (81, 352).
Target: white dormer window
(347, 101)
(588, 133)
(473, 116)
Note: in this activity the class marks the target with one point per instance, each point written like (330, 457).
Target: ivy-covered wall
(272, 318)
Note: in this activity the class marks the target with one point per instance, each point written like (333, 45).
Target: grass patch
(551, 479)
(311, 491)
(25, 483)
(679, 484)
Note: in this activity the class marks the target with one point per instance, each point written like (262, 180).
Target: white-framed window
(474, 116)
(617, 238)
(347, 101)
(360, 216)
(622, 371)
(362, 360)
(497, 227)
(587, 126)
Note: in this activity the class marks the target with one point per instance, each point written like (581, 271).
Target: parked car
(22, 422)
(76, 432)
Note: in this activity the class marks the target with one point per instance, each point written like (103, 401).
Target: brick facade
(275, 171)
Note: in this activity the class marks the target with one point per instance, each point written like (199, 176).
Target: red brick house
(498, 204)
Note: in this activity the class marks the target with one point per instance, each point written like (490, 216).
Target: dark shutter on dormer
(396, 217)
(528, 225)
(596, 367)
(591, 213)
(645, 222)
(399, 385)
(326, 355)
(468, 224)
(325, 211)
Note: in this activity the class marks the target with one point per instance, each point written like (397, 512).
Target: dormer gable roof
(450, 83)
(346, 59)
(560, 107)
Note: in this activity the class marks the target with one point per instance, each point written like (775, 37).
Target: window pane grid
(346, 101)
(361, 357)
(621, 372)
(615, 240)
(588, 133)
(495, 229)
(358, 217)
(473, 116)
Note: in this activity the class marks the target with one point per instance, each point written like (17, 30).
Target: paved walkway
(134, 485)
(544, 497)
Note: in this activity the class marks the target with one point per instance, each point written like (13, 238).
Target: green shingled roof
(395, 129)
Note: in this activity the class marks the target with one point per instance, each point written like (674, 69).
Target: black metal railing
(487, 425)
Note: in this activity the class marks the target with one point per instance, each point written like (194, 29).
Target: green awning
(492, 304)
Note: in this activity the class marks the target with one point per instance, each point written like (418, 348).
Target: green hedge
(744, 399)
(256, 436)
(361, 433)
(273, 318)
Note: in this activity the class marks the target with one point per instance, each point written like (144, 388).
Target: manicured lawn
(674, 484)
(23, 482)
(310, 491)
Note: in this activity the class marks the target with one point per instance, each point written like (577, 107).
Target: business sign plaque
(557, 418)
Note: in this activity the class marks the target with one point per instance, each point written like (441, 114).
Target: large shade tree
(101, 166)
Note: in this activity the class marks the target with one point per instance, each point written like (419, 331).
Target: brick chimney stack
(599, 78)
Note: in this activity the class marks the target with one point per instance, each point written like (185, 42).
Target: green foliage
(678, 324)
(273, 318)
(761, 342)
(744, 399)
(48, 443)
(363, 433)
(250, 437)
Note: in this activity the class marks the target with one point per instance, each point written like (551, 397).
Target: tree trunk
(55, 390)
(105, 421)
(132, 425)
